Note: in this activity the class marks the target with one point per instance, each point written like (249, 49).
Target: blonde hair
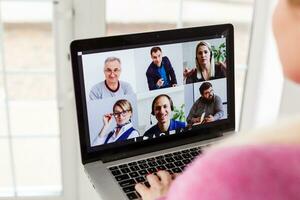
(211, 60)
(124, 104)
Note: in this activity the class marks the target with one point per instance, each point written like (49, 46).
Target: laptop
(151, 101)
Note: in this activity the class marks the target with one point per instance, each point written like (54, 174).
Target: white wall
(264, 81)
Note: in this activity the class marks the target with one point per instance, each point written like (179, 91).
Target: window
(29, 126)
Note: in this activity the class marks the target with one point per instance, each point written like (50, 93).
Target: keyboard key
(134, 168)
(132, 195)
(122, 177)
(187, 155)
(178, 163)
(132, 163)
(161, 167)
(141, 161)
(169, 165)
(150, 159)
(129, 189)
(144, 166)
(161, 162)
(151, 170)
(186, 161)
(194, 154)
(123, 166)
(185, 151)
(140, 179)
(168, 155)
(159, 157)
(193, 149)
(133, 174)
(170, 160)
(116, 172)
(113, 168)
(125, 170)
(178, 157)
(152, 164)
(127, 183)
(143, 172)
(176, 170)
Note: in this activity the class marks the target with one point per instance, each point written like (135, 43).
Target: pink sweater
(266, 172)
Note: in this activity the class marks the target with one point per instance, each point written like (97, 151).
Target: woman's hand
(159, 186)
(107, 118)
(210, 118)
(188, 72)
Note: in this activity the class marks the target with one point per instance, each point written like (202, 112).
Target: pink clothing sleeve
(251, 172)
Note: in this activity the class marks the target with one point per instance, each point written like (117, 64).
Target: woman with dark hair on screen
(122, 113)
(206, 68)
(264, 165)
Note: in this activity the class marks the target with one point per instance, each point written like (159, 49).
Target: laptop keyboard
(128, 174)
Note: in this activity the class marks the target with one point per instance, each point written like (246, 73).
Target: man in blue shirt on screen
(162, 107)
(160, 73)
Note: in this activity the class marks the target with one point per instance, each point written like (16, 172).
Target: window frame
(62, 33)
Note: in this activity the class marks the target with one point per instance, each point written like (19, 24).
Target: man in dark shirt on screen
(160, 73)
(162, 107)
(208, 108)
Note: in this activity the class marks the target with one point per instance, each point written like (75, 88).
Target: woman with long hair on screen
(260, 165)
(122, 113)
(206, 68)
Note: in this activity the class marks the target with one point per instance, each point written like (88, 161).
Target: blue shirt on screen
(163, 75)
(154, 131)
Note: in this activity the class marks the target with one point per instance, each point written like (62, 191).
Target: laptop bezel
(124, 150)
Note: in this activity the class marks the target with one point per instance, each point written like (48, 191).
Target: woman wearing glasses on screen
(122, 113)
(206, 68)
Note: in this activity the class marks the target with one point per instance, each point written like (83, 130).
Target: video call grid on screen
(134, 64)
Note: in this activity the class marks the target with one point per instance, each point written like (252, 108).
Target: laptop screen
(158, 88)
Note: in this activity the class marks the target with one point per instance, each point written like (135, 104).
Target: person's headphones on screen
(162, 95)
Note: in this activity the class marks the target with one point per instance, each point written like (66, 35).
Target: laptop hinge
(138, 151)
